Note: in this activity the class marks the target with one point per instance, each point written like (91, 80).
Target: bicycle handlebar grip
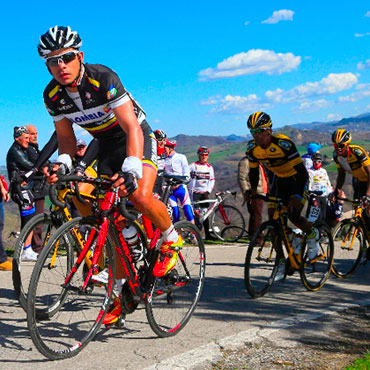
(54, 199)
(124, 212)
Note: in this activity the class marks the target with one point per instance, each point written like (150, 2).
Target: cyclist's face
(23, 140)
(263, 138)
(203, 157)
(340, 149)
(66, 73)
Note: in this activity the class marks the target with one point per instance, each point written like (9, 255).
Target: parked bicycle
(226, 221)
(66, 306)
(266, 251)
(46, 224)
(351, 241)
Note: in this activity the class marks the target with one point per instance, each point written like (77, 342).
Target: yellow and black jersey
(280, 157)
(355, 162)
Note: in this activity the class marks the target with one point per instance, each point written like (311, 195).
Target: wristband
(66, 160)
(133, 165)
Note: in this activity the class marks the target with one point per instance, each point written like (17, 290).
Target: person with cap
(202, 183)
(311, 149)
(279, 155)
(177, 164)
(318, 180)
(93, 97)
(18, 164)
(160, 137)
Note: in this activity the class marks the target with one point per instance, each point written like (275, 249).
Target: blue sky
(198, 67)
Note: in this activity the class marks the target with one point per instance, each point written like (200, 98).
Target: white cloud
(331, 84)
(334, 116)
(312, 105)
(280, 15)
(367, 14)
(358, 95)
(303, 94)
(252, 62)
(365, 65)
(362, 34)
(246, 23)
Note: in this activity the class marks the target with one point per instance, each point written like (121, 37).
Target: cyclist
(177, 164)
(354, 160)
(318, 180)
(202, 183)
(160, 136)
(279, 154)
(93, 97)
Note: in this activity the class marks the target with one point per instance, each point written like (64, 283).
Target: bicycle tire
(61, 319)
(315, 272)
(22, 270)
(172, 299)
(233, 230)
(261, 261)
(347, 251)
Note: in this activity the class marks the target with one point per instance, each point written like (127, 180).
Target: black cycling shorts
(112, 151)
(286, 187)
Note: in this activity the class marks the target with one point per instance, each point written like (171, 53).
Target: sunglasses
(317, 161)
(257, 130)
(61, 58)
(339, 146)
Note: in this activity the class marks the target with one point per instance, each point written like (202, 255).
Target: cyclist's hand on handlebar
(52, 173)
(126, 182)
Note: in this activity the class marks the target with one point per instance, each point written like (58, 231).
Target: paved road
(225, 311)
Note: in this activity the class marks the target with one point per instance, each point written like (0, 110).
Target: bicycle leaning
(226, 221)
(351, 241)
(66, 304)
(266, 251)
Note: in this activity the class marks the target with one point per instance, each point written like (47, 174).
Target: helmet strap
(78, 79)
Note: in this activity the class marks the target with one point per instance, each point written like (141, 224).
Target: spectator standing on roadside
(202, 183)
(5, 261)
(312, 148)
(254, 206)
(160, 137)
(18, 163)
(40, 187)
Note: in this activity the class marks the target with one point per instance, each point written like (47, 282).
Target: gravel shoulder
(330, 342)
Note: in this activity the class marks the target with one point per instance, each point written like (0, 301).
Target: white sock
(170, 235)
(120, 283)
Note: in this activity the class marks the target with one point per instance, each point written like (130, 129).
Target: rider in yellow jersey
(354, 160)
(279, 155)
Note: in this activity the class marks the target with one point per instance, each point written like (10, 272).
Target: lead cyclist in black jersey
(93, 97)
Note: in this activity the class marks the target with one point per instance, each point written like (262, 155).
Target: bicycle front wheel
(172, 299)
(317, 259)
(349, 244)
(63, 317)
(45, 226)
(228, 223)
(261, 261)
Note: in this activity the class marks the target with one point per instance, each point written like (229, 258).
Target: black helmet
(341, 136)
(316, 156)
(57, 38)
(259, 120)
(160, 134)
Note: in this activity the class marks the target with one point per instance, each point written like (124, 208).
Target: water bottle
(133, 242)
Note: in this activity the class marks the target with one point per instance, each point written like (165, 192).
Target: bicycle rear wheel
(22, 269)
(348, 248)
(228, 223)
(172, 299)
(62, 318)
(315, 271)
(261, 261)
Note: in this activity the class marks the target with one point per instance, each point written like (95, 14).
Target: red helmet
(170, 143)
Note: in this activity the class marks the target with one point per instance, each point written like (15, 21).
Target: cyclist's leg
(183, 195)
(172, 201)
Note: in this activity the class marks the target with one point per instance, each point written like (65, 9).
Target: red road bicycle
(66, 304)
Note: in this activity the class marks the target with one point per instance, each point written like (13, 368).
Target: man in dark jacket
(18, 163)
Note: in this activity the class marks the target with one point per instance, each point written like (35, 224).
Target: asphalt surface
(225, 317)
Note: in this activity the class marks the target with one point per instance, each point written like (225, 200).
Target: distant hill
(354, 124)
